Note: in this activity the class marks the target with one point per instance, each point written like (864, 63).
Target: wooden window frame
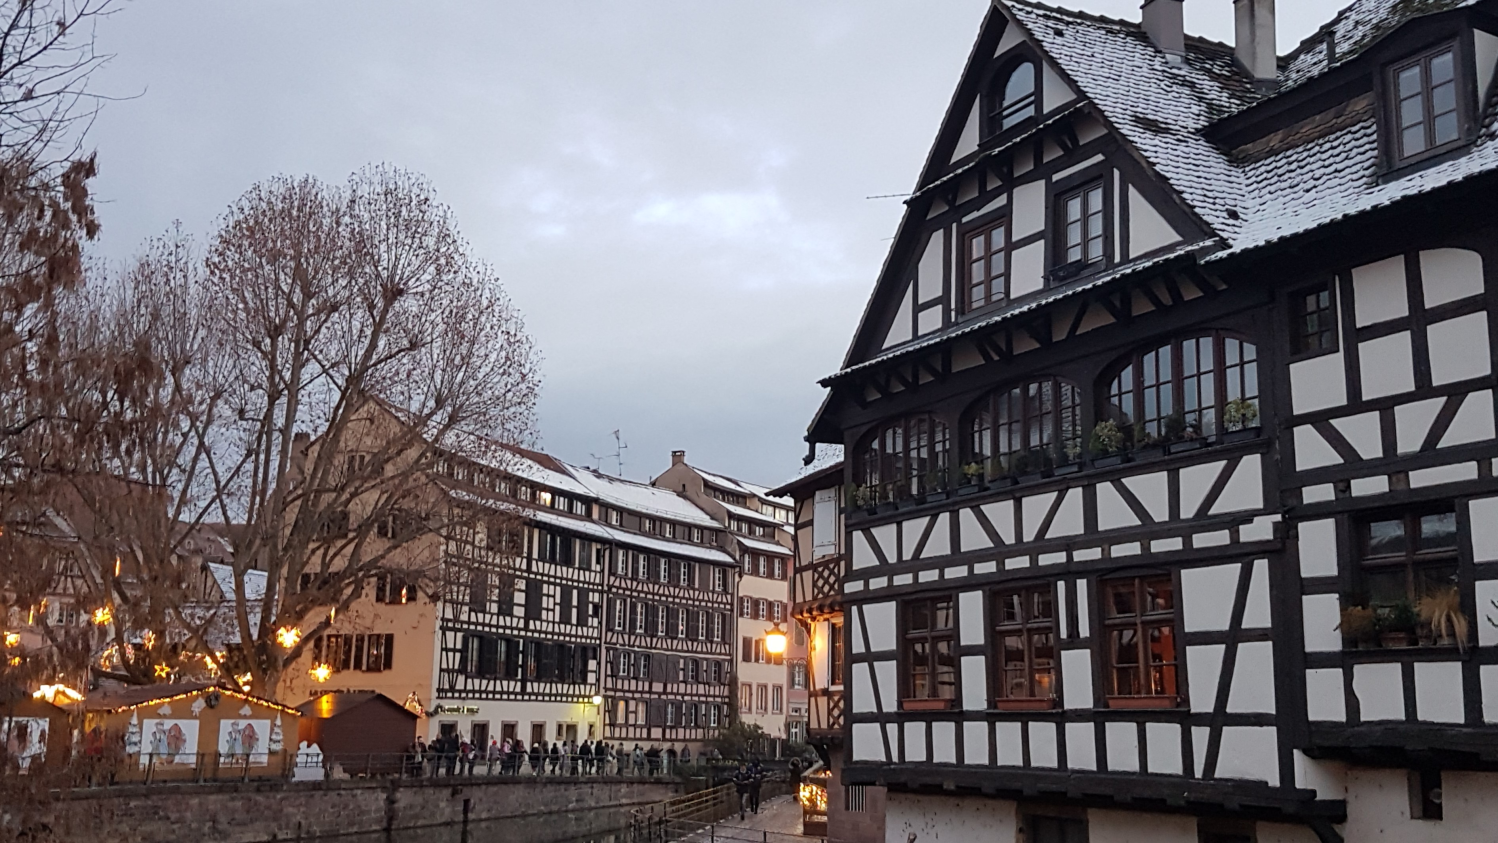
(996, 107)
(1463, 86)
(1140, 622)
(992, 296)
(1028, 629)
(894, 466)
(931, 637)
(1298, 314)
(1063, 269)
(997, 462)
(1413, 558)
(1134, 364)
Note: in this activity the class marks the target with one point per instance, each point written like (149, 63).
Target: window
(720, 579)
(1055, 830)
(931, 663)
(746, 607)
(1139, 619)
(761, 609)
(1026, 428)
(1181, 389)
(1408, 556)
(718, 626)
(798, 676)
(762, 699)
(1423, 95)
(1312, 326)
(1083, 225)
(904, 458)
(1024, 629)
(694, 670)
(748, 564)
(987, 265)
(777, 699)
(777, 611)
(746, 697)
(835, 652)
(778, 569)
(1011, 97)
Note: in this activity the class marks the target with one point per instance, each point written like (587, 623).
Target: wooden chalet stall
(34, 734)
(363, 732)
(192, 731)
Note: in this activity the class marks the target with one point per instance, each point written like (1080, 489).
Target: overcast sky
(673, 192)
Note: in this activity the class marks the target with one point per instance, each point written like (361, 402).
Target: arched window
(903, 458)
(1011, 97)
(1030, 427)
(1184, 389)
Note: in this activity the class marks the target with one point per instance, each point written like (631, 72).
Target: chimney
(678, 457)
(1254, 38)
(1165, 23)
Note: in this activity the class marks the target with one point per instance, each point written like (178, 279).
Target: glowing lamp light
(53, 693)
(321, 673)
(288, 636)
(244, 681)
(775, 640)
(597, 699)
(12, 639)
(102, 616)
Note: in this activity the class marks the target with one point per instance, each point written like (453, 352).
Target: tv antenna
(618, 456)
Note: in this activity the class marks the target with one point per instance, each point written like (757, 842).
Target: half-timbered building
(754, 523)
(668, 626)
(1170, 497)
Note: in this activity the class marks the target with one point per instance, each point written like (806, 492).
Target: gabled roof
(1354, 30)
(335, 703)
(1157, 104)
(641, 498)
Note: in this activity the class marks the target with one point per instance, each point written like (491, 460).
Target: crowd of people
(454, 755)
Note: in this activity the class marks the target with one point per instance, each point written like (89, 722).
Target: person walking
(637, 759)
(585, 757)
(756, 778)
(741, 780)
(556, 756)
(536, 758)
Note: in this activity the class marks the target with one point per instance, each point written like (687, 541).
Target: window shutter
(564, 604)
(533, 599)
(389, 650)
(358, 652)
(694, 624)
(748, 649)
(634, 615)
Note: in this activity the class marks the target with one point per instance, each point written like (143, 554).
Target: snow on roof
(653, 544)
(753, 490)
(1158, 104)
(824, 457)
(751, 515)
(582, 526)
(254, 582)
(1354, 30)
(641, 497)
(762, 546)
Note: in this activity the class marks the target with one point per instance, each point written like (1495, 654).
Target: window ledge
(925, 705)
(1027, 704)
(1144, 702)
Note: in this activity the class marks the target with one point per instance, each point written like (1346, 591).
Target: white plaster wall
(1148, 230)
(1204, 666)
(1139, 827)
(1378, 807)
(1363, 433)
(967, 143)
(1412, 422)
(1320, 616)
(1387, 365)
(1380, 691)
(880, 618)
(1447, 275)
(1076, 678)
(975, 743)
(1027, 269)
(1057, 92)
(1283, 833)
(1207, 597)
(1253, 679)
(1438, 692)
(1318, 383)
(1459, 348)
(1312, 450)
(1122, 743)
(1379, 292)
(1483, 519)
(899, 330)
(1162, 743)
(1326, 698)
(1029, 209)
(949, 819)
(867, 744)
(1473, 421)
(1081, 746)
(1249, 752)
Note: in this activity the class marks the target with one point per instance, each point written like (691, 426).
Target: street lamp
(775, 640)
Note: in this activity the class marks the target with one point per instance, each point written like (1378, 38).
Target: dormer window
(1424, 102)
(1011, 97)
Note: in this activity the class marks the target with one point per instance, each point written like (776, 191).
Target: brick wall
(255, 812)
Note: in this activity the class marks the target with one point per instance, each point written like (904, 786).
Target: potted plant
(1398, 625)
(972, 478)
(1107, 445)
(1037, 465)
(1442, 611)
(1146, 444)
(1359, 625)
(1073, 459)
(1180, 435)
(934, 486)
(1241, 419)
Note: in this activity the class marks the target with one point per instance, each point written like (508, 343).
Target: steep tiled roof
(1158, 104)
(1353, 30)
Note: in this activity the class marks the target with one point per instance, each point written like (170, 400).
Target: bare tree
(334, 350)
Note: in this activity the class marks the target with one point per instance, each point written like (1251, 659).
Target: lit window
(1139, 619)
(1024, 630)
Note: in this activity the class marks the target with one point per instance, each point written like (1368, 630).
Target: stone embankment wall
(255, 812)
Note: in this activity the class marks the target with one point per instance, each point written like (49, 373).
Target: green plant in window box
(1442, 610)
(1240, 414)
(1397, 625)
(972, 474)
(1359, 625)
(1107, 440)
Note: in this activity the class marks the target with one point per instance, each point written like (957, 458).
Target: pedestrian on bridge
(638, 760)
(741, 781)
(536, 758)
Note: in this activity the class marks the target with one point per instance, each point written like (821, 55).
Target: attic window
(1011, 97)
(1423, 100)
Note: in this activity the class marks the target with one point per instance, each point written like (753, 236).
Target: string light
(230, 692)
(288, 636)
(320, 673)
(12, 639)
(244, 681)
(162, 671)
(50, 693)
(102, 616)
